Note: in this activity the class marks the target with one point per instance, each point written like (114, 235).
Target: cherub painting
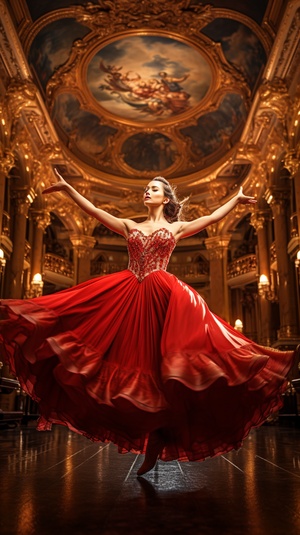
(148, 77)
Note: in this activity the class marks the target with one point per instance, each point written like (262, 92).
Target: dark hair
(173, 210)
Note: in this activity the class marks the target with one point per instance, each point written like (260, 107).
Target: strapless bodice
(148, 253)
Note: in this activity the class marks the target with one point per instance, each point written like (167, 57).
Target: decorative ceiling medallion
(146, 78)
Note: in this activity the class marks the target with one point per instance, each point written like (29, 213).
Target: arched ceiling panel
(136, 88)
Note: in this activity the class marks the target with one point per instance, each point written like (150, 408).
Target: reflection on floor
(59, 482)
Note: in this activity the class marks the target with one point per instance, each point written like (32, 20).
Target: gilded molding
(7, 160)
(82, 244)
(10, 46)
(285, 43)
(217, 245)
(40, 218)
(259, 220)
(19, 94)
(292, 162)
(22, 199)
(277, 198)
(274, 95)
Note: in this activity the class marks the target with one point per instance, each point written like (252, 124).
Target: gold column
(6, 163)
(217, 247)
(292, 163)
(259, 220)
(21, 202)
(2, 192)
(277, 198)
(83, 248)
(41, 220)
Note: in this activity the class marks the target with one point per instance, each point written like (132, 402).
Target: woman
(136, 357)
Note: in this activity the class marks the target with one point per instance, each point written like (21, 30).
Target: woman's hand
(61, 185)
(245, 199)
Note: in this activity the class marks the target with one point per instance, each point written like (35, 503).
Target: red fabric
(114, 358)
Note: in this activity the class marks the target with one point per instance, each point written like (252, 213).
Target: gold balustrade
(241, 266)
(189, 270)
(105, 268)
(57, 264)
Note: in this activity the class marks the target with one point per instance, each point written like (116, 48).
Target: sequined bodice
(149, 253)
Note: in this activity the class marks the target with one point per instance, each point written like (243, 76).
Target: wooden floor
(60, 483)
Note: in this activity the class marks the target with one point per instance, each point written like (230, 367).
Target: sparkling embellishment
(149, 253)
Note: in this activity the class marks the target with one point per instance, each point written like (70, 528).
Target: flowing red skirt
(115, 359)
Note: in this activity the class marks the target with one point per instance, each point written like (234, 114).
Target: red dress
(124, 354)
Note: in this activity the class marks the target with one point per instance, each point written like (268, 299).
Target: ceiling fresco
(151, 87)
(147, 78)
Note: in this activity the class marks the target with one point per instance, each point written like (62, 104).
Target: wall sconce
(264, 289)
(2, 260)
(36, 286)
(238, 325)
(297, 261)
(263, 285)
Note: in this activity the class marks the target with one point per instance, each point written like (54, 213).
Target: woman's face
(154, 194)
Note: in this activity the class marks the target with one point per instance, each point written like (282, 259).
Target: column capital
(7, 161)
(19, 94)
(22, 199)
(82, 244)
(217, 245)
(40, 218)
(277, 198)
(259, 219)
(292, 162)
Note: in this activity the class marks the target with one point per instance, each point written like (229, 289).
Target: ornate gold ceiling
(152, 87)
(115, 92)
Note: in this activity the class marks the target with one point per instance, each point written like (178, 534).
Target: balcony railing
(189, 271)
(59, 265)
(105, 268)
(242, 266)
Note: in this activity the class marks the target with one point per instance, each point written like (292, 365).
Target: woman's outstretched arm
(121, 226)
(188, 228)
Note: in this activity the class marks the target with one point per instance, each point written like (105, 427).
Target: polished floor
(60, 483)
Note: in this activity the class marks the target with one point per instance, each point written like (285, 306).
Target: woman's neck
(156, 215)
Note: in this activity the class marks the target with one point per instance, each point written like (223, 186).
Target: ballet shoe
(154, 448)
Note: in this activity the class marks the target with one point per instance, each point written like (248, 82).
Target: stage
(60, 483)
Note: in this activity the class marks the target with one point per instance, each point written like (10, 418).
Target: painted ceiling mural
(151, 87)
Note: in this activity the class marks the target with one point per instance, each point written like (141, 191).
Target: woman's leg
(154, 448)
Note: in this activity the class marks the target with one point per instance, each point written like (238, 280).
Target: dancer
(136, 357)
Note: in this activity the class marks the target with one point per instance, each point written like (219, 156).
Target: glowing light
(263, 279)
(2, 253)
(3, 122)
(37, 278)
(238, 325)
